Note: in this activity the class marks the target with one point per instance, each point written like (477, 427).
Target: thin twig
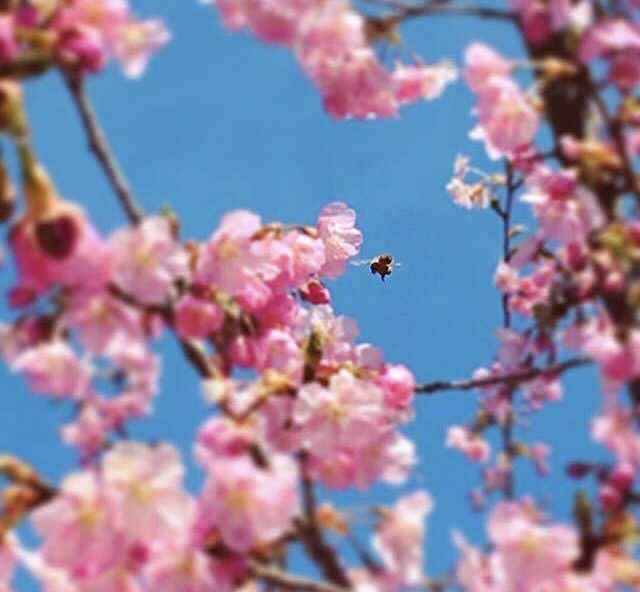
(311, 537)
(276, 576)
(441, 9)
(100, 147)
(507, 425)
(513, 379)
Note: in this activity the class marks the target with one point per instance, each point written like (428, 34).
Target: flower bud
(622, 476)
(577, 470)
(610, 498)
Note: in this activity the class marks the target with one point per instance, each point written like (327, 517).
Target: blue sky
(221, 121)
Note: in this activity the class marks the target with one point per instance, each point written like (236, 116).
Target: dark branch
(100, 147)
(276, 576)
(512, 379)
(441, 9)
(311, 536)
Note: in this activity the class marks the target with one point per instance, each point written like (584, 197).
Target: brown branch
(513, 379)
(615, 129)
(276, 576)
(100, 147)
(311, 537)
(26, 66)
(197, 356)
(442, 9)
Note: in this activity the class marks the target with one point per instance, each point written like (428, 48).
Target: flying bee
(383, 265)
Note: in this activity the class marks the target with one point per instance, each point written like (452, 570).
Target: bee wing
(358, 262)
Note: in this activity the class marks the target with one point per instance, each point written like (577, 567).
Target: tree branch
(429, 388)
(442, 9)
(100, 147)
(313, 541)
(276, 576)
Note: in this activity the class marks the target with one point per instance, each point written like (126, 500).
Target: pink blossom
(350, 411)
(530, 554)
(147, 260)
(398, 384)
(197, 318)
(400, 537)
(421, 81)
(472, 445)
(482, 63)
(272, 22)
(609, 37)
(53, 368)
(618, 362)
(238, 265)
(221, 437)
(278, 350)
(539, 453)
(355, 85)
(8, 558)
(332, 48)
(566, 213)
(615, 430)
(144, 484)
(337, 333)
(100, 319)
(389, 457)
(87, 432)
(307, 256)
(77, 527)
(341, 238)
(543, 389)
(246, 504)
(136, 42)
(507, 120)
(8, 44)
(106, 17)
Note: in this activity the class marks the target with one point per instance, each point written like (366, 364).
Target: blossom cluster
(252, 297)
(298, 401)
(333, 43)
(81, 35)
(570, 281)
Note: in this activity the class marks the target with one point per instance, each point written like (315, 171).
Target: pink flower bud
(610, 498)
(622, 476)
(315, 292)
(578, 470)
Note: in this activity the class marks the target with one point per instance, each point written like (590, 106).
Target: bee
(383, 265)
